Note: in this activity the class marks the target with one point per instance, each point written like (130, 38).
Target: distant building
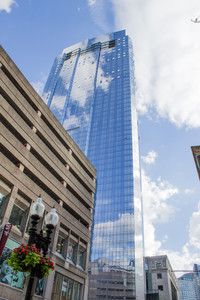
(161, 283)
(186, 286)
(108, 278)
(196, 270)
(189, 285)
(39, 157)
(196, 155)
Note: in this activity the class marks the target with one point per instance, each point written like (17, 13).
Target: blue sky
(167, 70)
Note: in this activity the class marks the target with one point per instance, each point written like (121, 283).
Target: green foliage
(27, 258)
(45, 266)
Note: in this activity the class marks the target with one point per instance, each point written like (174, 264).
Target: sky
(167, 71)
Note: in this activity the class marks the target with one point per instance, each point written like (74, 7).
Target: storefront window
(57, 287)
(70, 289)
(65, 288)
(7, 275)
(77, 290)
(40, 287)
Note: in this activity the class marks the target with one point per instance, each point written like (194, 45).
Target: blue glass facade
(187, 287)
(196, 270)
(91, 91)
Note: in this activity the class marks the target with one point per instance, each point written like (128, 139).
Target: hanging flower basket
(42, 269)
(26, 258)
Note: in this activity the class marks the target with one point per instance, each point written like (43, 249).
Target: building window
(17, 217)
(158, 266)
(160, 287)
(5, 191)
(60, 245)
(2, 199)
(80, 258)
(112, 44)
(159, 276)
(70, 252)
(164, 263)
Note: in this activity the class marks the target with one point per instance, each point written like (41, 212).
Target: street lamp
(51, 220)
(42, 243)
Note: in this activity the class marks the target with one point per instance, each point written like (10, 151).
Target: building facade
(39, 157)
(186, 287)
(91, 91)
(196, 271)
(189, 285)
(160, 278)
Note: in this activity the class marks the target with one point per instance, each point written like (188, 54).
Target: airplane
(197, 20)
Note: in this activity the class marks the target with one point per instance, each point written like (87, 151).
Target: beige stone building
(161, 282)
(39, 157)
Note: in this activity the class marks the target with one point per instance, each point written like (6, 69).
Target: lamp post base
(30, 286)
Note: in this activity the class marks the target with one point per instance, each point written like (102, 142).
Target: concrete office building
(160, 277)
(91, 91)
(39, 157)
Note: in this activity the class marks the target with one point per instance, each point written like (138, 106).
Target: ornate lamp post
(41, 242)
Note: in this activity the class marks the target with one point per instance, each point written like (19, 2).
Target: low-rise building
(160, 278)
(39, 157)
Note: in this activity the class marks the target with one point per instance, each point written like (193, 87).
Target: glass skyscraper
(91, 91)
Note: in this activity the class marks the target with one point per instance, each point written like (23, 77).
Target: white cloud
(155, 200)
(99, 11)
(165, 238)
(91, 2)
(194, 230)
(6, 5)
(188, 191)
(166, 56)
(155, 197)
(39, 85)
(166, 48)
(150, 158)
